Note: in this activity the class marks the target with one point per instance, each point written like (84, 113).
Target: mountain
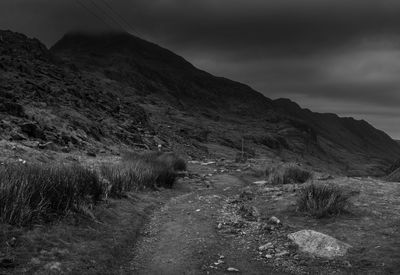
(110, 89)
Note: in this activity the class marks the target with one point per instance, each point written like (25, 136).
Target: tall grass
(170, 159)
(173, 162)
(142, 170)
(30, 193)
(323, 200)
(288, 173)
(33, 193)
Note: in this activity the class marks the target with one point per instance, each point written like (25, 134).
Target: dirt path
(183, 238)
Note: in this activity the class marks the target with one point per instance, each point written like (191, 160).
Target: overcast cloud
(339, 56)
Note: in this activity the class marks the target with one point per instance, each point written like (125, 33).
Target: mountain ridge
(189, 109)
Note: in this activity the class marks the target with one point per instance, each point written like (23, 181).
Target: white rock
(319, 244)
(261, 182)
(232, 269)
(283, 253)
(53, 266)
(266, 246)
(274, 220)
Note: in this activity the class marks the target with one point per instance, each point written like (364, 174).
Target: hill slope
(115, 88)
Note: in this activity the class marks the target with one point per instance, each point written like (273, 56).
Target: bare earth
(182, 237)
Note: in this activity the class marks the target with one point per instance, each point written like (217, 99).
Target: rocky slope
(106, 90)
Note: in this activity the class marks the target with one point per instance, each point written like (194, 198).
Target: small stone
(53, 266)
(283, 253)
(35, 261)
(266, 246)
(348, 264)
(232, 269)
(219, 226)
(274, 220)
(268, 256)
(261, 182)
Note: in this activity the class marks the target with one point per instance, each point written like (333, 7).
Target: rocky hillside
(107, 90)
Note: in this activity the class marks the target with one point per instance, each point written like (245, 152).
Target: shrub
(30, 193)
(322, 200)
(172, 161)
(141, 171)
(287, 173)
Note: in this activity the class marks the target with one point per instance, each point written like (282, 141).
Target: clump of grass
(287, 173)
(118, 180)
(139, 171)
(172, 161)
(31, 193)
(323, 200)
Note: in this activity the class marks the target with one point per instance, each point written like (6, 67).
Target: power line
(119, 15)
(107, 15)
(93, 13)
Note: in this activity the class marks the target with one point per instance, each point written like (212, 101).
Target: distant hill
(115, 88)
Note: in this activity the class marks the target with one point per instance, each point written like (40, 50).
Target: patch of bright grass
(288, 173)
(323, 200)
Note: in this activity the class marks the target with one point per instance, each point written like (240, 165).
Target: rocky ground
(235, 225)
(220, 218)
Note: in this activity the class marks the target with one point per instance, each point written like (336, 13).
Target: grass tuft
(139, 171)
(323, 200)
(31, 193)
(172, 161)
(287, 173)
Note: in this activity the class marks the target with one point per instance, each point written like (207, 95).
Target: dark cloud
(338, 56)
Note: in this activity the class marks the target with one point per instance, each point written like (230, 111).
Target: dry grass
(32, 193)
(174, 162)
(287, 173)
(323, 200)
(170, 159)
(139, 171)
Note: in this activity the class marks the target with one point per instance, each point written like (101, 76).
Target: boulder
(319, 244)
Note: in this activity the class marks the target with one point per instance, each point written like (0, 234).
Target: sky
(340, 56)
